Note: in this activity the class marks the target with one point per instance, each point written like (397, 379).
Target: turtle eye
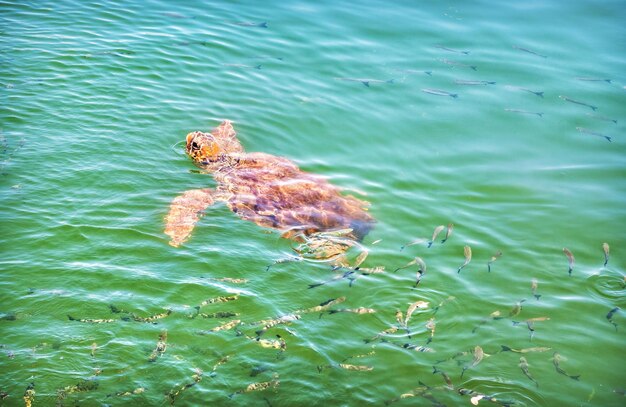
(195, 145)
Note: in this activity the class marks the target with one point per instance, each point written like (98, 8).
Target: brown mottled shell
(273, 192)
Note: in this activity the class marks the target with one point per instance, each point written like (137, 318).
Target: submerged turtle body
(268, 190)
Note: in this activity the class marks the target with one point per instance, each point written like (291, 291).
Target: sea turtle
(271, 192)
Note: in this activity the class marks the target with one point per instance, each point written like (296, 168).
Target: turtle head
(202, 147)
(206, 148)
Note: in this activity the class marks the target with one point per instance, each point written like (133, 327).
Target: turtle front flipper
(185, 211)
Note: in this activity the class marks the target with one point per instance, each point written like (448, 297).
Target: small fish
(430, 325)
(570, 260)
(219, 363)
(516, 309)
(455, 63)
(602, 118)
(196, 377)
(449, 231)
(493, 258)
(381, 334)
(605, 249)
(556, 360)
(418, 348)
(348, 274)
(593, 133)
(445, 376)
(151, 318)
(589, 79)
(377, 241)
(530, 324)
(323, 306)
(529, 51)
(258, 386)
(536, 93)
(540, 114)
(252, 24)
(578, 102)
(29, 395)
(94, 347)
(285, 260)
(523, 364)
(91, 321)
(493, 316)
(421, 270)
(609, 316)
(285, 319)
(243, 66)
(414, 71)
(467, 82)
(412, 307)
(456, 51)
(414, 242)
(221, 314)
(525, 350)
(533, 288)
(358, 368)
(467, 252)
(439, 92)
(365, 81)
(160, 348)
(359, 310)
(230, 280)
(436, 232)
(219, 299)
(271, 343)
(138, 390)
(478, 355)
(399, 317)
(226, 326)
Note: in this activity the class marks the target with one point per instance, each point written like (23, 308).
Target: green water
(94, 98)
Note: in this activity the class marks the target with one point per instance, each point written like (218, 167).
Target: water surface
(95, 98)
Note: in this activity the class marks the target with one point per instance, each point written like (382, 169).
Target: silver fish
(436, 232)
(478, 355)
(252, 24)
(455, 63)
(609, 316)
(160, 348)
(540, 114)
(602, 118)
(525, 350)
(412, 307)
(516, 309)
(556, 360)
(439, 92)
(593, 133)
(467, 82)
(196, 377)
(570, 260)
(414, 242)
(590, 79)
(592, 107)
(456, 51)
(605, 249)
(523, 364)
(365, 81)
(534, 283)
(492, 259)
(467, 252)
(536, 93)
(449, 231)
(529, 51)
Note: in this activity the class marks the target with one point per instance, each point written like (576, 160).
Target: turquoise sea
(504, 119)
